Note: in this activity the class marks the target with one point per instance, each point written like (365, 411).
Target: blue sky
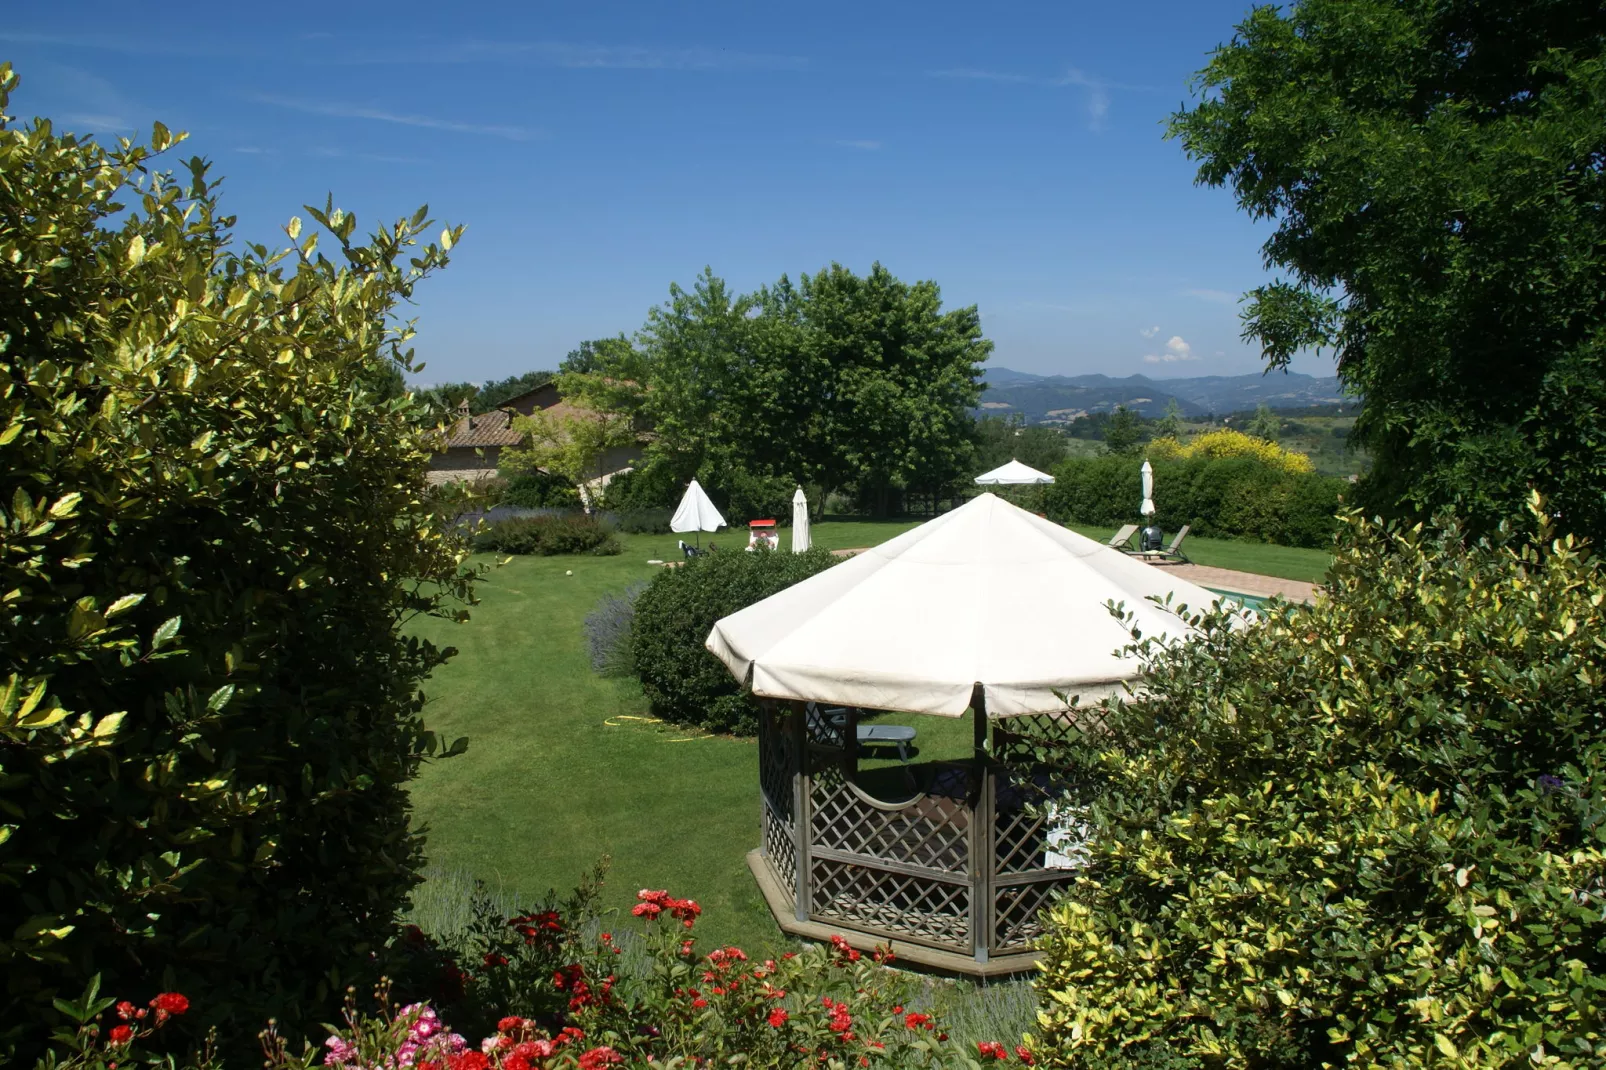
(598, 151)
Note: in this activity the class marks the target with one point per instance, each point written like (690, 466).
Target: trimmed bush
(548, 536)
(640, 521)
(1367, 832)
(682, 680)
(1233, 497)
(538, 490)
(213, 524)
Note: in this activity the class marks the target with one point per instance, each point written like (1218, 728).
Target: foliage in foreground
(212, 532)
(1368, 831)
(544, 991)
(547, 536)
(1433, 172)
(683, 681)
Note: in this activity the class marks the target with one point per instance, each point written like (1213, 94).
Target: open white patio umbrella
(1013, 473)
(987, 595)
(696, 512)
(800, 522)
(1147, 508)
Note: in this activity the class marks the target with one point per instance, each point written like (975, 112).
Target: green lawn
(564, 766)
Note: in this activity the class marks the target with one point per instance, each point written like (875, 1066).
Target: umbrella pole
(981, 837)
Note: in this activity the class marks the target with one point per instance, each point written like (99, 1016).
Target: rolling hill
(1062, 398)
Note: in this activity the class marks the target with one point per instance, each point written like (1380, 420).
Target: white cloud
(1097, 89)
(1176, 349)
(356, 111)
(1149, 332)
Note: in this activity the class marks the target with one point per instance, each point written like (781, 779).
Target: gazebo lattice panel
(1017, 913)
(963, 869)
(932, 832)
(895, 904)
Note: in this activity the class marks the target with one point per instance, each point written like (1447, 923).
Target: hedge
(1362, 833)
(1228, 498)
(547, 536)
(682, 680)
(214, 522)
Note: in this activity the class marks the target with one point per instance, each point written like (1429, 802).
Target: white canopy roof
(986, 594)
(1014, 472)
(696, 512)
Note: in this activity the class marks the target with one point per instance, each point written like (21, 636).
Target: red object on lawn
(762, 533)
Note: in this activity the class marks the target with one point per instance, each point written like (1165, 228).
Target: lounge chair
(1172, 552)
(1122, 539)
(689, 550)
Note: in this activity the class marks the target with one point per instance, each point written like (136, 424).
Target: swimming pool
(1248, 601)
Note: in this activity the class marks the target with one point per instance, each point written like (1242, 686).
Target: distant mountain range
(1062, 398)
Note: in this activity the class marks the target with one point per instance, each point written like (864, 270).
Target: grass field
(565, 766)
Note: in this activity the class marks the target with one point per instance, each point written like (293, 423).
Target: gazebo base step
(931, 958)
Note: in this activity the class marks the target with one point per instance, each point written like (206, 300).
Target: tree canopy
(1434, 171)
(837, 379)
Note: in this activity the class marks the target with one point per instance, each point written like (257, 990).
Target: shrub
(1227, 444)
(1222, 497)
(213, 529)
(546, 536)
(608, 632)
(682, 680)
(544, 991)
(1366, 832)
(539, 490)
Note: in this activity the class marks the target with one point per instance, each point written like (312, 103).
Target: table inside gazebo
(954, 876)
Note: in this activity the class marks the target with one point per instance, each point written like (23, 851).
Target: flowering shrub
(608, 632)
(566, 1007)
(1227, 443)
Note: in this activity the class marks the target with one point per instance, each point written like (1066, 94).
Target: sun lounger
(1122, 539)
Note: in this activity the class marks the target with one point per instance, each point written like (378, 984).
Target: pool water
(1248, 601)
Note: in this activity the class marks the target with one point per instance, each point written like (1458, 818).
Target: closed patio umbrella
(1147, 508)
(800, 522)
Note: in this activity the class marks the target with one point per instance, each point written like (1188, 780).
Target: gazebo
(987, 608)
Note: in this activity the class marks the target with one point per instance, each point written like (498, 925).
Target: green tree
(1124, 433)
(496, 391)
(1169, 425)
(1434, 173)
(596, 356)
(213, 532)
(1264, 424)
(1000, 440)
(900, 376)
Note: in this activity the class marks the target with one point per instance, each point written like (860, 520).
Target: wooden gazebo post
(981, 835)
(802, 809)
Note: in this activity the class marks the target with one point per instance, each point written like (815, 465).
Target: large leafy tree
(213, 529)
(1434, 170)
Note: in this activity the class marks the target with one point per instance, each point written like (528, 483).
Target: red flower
(777, 1018)
(125, 1010)
(470, 1060)
(914, 1020)
(510, 1024)
(120, 1035)
(492, 959)
(992, 1050)
(699, 1003)
(170, 1003)
(599, 1058)
(515, 1061)
(1024, 1054)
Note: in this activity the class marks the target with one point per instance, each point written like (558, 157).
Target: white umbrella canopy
(988, 594)
(696, 512)
(1013, 473)
(1147, 508)
(800, 522)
